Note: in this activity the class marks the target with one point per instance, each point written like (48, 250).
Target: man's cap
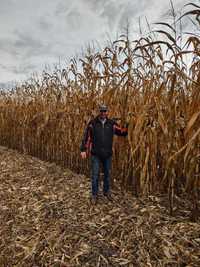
(103, 108)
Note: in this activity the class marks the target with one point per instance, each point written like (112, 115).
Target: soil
(47, 219)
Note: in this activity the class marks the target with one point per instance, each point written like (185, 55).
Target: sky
(36, 34)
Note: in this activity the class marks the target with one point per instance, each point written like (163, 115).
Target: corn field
(145, 82)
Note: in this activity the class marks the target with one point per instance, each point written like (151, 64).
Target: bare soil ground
(46, 219)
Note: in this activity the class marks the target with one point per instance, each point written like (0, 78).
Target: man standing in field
(98, 140)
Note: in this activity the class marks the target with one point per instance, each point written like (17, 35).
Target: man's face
(103, 114)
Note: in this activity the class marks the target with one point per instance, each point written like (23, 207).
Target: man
(98, 140)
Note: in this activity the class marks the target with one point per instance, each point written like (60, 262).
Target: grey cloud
(112, 13)
(73, 19)
(63, 7)
(2, 66)
(44, 24)
(129, 13)
(113, 8)
(71, 13)
(107, 10)
(21, 68)
(5, 6)
(60, 9)
(24, 46)
(7, 46)
(118, 13)
(97, 5)
(30, 45)
(26, 40)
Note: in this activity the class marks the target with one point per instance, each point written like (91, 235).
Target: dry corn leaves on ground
(46, 219)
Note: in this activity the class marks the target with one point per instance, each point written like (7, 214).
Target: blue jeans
(106, 163)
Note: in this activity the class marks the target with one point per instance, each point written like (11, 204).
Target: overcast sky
(35, 33)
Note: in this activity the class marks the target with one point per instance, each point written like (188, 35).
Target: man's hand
(83, 155)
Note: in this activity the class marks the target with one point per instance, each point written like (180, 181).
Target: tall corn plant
(145, 82)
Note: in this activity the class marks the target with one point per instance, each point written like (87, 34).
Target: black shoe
(94, 200)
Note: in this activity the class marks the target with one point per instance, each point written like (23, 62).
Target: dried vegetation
(47, 220)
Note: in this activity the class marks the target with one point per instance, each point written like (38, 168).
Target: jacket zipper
(103, 132)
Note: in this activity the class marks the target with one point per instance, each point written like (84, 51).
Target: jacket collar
(98, 118)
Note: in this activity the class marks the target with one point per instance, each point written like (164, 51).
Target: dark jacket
(98, 137)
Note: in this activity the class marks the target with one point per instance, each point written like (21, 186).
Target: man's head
(103, 110)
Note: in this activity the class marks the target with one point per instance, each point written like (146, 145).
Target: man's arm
(86, 140)
(120, 131)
